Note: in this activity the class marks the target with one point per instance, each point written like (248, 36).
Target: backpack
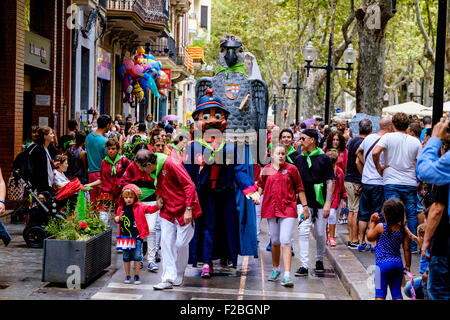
(22, 162)
(16, 186)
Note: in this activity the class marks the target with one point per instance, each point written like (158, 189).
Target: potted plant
(81, 241)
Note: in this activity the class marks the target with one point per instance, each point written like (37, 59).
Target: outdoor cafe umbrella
(170, 117)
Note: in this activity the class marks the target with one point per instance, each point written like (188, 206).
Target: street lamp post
(284, 81)
(274, 107)
(310, 54)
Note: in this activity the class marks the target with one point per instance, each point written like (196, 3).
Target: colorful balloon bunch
(140, 74)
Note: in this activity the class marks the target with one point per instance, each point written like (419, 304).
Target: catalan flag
(188, 61)
(196, 53)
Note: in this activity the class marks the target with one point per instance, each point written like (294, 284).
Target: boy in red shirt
(338, 195)
(133, 228)
(111, 170)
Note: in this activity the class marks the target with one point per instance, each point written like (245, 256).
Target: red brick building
(34, 71)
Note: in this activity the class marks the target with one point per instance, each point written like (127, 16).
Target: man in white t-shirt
(401, 152)
(372, 191)
(141, 133)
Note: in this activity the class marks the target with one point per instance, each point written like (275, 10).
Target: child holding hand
(339, 195)
(133, 227)
(390, 236)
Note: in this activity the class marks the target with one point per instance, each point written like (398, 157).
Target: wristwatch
(188, 208)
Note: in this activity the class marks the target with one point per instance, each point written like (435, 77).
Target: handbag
(15, 189)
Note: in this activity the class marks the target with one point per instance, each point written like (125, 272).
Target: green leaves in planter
(81, 223)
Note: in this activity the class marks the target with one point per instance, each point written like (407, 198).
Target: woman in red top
(336, 141)
(281, 183)
(338, 195)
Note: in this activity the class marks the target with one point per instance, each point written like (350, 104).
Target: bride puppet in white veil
(252, 66)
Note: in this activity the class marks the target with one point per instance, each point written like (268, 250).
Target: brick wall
(11, 82)
(42, 82)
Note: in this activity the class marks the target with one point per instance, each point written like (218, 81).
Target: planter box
(92, 257)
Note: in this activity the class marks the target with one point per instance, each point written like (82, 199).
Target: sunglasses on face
(302, 138)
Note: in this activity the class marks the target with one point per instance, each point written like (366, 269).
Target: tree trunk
(311, 104)
(371, 58)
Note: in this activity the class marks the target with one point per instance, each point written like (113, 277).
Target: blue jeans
(133, 254)
(408, 195)
(371, 201)
(438, 278)
(417, 288)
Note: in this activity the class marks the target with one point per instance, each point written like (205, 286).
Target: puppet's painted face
(212, 118)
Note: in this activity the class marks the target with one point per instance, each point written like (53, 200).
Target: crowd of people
(390, 187)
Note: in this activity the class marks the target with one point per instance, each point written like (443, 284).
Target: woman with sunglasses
(317, 175)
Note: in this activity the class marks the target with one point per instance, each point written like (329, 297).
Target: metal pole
(327, 92)
(297, 113)
(438, 98)
(275, 111)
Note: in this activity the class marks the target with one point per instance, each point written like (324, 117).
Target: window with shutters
(204, 17)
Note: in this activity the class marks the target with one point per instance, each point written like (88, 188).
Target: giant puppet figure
(246, 99)
(217, 169)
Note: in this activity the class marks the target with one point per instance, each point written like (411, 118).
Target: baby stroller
(44, 206)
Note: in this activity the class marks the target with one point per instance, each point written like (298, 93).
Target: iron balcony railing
(165, 47)
(148, 10)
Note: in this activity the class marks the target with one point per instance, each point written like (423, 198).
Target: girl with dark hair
(390, 235)
(336, 141)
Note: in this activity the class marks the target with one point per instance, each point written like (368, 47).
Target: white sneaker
(163, 285)
(179, 280)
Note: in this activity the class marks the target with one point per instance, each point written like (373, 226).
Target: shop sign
(42, 100)
(37, 51)
(169, 74)
(103, 64)
(43, 121)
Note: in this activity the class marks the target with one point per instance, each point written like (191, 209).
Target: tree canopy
(275, 32)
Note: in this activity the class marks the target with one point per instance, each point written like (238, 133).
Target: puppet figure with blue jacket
(217, 169)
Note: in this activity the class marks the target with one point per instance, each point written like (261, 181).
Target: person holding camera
(436, 170)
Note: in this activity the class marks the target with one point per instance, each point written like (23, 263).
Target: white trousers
(303, 237)
(106, 215)
(154, 238)
(332, 218)
(175, 248)
(281, 230)
(258, 216)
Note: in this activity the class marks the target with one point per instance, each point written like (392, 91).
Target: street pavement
(21, 274)
(349, 275)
